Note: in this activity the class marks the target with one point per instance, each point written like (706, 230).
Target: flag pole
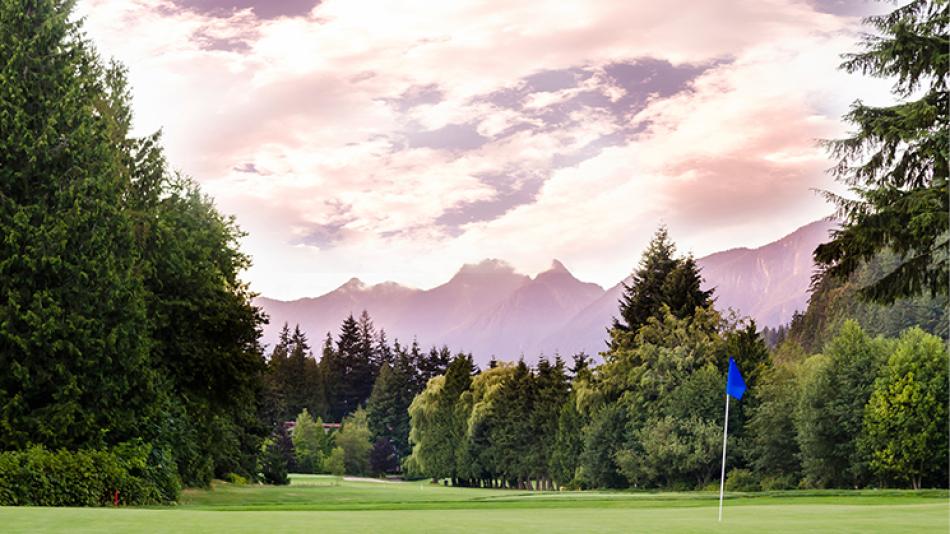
(722, 477)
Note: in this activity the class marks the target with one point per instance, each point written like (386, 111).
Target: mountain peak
(353, 284)
(557, 267)
(486, 266)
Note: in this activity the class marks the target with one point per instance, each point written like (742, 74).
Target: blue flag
(735, 385)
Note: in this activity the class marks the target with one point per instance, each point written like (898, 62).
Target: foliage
(73, 331)
(772, 446)
(310, 443)
(438, 426)
(336, 462)
(661, 280)
(354, 438)
(273, 463)
(741, 480)
(388, 407)
(40, 477)
(896, 161)
(568, 443)
(906, 417)
(383, 459)
(829, 416)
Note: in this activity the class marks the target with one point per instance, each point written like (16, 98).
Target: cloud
(351, 136)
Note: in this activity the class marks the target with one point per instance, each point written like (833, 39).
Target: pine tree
(643, 296)
(552, 389)
(896, 162)
(661, 280)
(388, 408)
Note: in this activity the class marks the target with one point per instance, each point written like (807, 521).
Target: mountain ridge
(489, 309)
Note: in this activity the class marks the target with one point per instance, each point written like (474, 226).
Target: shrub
(236, 479)
(335, 462)
(39, 477)
(741, 480)
(783, 482)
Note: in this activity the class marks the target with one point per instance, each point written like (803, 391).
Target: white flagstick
(722, 478)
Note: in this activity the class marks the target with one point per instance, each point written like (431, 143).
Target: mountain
(489, 309)
(768, 283)
(516, 325)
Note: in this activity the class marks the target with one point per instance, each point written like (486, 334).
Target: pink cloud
(422, 134)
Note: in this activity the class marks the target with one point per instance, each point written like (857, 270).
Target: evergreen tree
(661, 280)
(383, 458)
(643, 296)
(552, 392)
(73, 327)
(388, 407)
(896, 162)
(771, 445)
(568, 443)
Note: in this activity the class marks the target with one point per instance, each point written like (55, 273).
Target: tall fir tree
(895, 163)
(73, 326)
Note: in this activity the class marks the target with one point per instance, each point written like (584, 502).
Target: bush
(335, 462)
(741, 480)
(39, 477)
(236, 479)
(783, 482)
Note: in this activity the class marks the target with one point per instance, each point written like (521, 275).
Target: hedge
(134, 472)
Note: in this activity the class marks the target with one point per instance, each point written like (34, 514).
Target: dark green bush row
(40, 477)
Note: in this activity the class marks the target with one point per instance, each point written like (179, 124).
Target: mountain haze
(491, 310)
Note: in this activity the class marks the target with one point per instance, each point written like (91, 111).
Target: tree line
(865, 412)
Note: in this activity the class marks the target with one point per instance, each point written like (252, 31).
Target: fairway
(324, 504)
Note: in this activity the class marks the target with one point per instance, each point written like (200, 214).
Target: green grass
(324, 504)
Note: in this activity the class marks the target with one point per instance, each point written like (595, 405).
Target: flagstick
(722, 477)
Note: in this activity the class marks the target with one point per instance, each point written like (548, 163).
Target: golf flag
(735, 385)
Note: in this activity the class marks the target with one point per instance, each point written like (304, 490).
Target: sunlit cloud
(398, 140)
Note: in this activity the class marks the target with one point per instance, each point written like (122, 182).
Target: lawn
(324, 504)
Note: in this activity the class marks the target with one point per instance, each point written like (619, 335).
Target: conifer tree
(661, 279)
(73, 326)
(896, 161)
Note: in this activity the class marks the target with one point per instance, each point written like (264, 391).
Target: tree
(772, 445)
(603, 438)
(896, 162)
(336, 462)
(73, 325)
(905, 422)
(354, 438)
(552, 390)
(383, 459)
(438, 426)
(661, 280)
(273, 463)
(388, 407)
(568, 443)
(310, 441)
(830, 413)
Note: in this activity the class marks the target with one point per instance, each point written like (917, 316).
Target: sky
(398, 140)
